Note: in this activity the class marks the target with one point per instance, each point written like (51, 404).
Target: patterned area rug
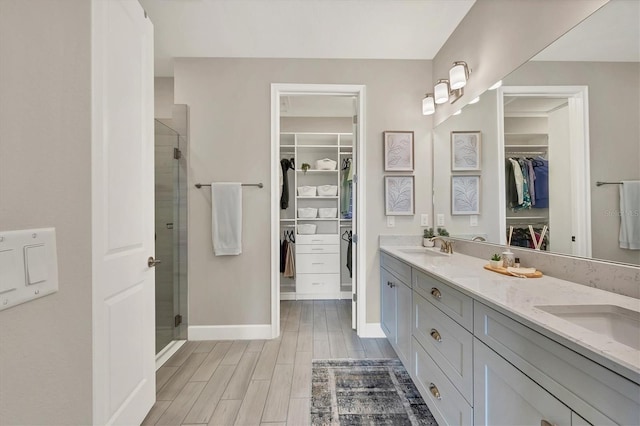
(365, 392)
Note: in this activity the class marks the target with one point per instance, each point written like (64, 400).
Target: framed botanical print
(398, 151)
(399, 195)
(465, 195)
(465, 151)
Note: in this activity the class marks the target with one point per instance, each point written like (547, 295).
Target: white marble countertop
(518, 298)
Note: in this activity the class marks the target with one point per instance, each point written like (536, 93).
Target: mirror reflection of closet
(317, 159)
(546, 163)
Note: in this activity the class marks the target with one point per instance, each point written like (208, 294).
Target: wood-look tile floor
(259, 382)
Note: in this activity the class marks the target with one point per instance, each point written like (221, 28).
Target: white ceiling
(611, 34)
(531, 106)
(317, 106)
(359, 29)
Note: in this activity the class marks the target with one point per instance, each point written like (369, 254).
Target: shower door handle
(151, 262)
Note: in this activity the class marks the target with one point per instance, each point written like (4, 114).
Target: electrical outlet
(440, 219)
(473, 220)
(391, 221)
(424, 219)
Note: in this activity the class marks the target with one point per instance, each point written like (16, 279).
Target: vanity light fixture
(458, 75)
(495, 86)
(474, 100)
(428, 106)
(441, 91)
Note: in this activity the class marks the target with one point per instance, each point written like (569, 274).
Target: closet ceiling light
(495, 86)
(441, 91)
(428, 106)
(474, 100)
(458, 112)
(458, 75)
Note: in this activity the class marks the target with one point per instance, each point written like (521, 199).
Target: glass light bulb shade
(474, 100)
(458, 112)
(441, 92)
(428, 106)
(457, 77)
(495, 86)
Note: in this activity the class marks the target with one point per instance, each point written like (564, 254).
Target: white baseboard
(230, 332)
(371, 329)
(168, 352)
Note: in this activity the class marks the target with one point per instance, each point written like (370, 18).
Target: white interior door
(122, 212)
(354, 223)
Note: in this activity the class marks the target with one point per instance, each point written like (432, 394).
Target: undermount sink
(422, 250)
(619, 324)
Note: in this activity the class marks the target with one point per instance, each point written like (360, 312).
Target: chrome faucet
(446, 246)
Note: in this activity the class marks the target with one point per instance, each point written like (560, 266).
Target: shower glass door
(170, 247)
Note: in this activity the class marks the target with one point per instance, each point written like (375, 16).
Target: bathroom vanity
(488, 349)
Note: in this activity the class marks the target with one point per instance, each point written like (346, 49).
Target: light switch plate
(424, 219)
(473, 220)
(440, 219)
(28, 265)
(391, 221)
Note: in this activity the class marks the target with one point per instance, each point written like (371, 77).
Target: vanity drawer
(318, 239)
(327, 263)
(317, 283)
(594, 392)
(399, 268)
(452, 302)
(318, 248)
(447, 405)
(447, 342)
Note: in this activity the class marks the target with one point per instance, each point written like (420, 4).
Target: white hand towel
(630, 215)
(226, 218)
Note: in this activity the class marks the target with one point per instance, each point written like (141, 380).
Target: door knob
(151, 262)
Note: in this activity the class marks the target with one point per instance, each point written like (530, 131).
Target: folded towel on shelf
(630, 215)
(226, 218)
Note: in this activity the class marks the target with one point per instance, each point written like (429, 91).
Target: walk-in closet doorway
(317, 156)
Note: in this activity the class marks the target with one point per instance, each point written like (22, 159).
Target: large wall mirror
(571, 115)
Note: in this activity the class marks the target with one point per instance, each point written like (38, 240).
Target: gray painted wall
(230, 139)
(45, 180)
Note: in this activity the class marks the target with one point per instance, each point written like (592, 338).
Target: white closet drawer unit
(317, 283)
(457, 305)
(327, 263)
(447, 342)
(447, 405)
(318, 248)
(318, 239)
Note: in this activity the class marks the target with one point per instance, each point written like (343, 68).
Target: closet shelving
(321, 257)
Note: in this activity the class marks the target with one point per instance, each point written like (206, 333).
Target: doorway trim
(284, 89)
(578, 103)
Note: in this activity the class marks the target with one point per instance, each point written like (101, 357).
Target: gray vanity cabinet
(395, 295)
(505, 396)
(475, 365)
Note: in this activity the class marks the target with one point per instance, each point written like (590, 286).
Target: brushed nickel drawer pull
(436, 336)
(318, 263)
(434, 391)
(316, 283)
(436, 293)
(316, 249)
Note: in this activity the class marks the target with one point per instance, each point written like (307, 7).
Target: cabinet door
(388, 285)
(403, 323)
(505, 396)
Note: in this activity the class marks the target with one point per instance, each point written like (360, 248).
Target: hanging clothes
(526, 197)
(283, 254)
(541, 169)
(531, 176)
(289, 266)
(349, 255)
(510, 180)
(285, 165)
(345, 194)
